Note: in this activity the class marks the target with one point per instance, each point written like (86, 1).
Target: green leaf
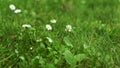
(67, 41)
(22, 58)
(80, 57)
(41, 60)
(50, 65)
(69, 57)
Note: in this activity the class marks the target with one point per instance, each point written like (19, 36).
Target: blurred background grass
(95, 24)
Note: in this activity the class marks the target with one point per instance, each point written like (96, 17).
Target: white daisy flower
(48, 27)
(26, 25)
(49, 39)
(12, 7)
(17, 11)
(53, 20)
(68, 28)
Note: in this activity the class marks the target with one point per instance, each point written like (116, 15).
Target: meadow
(59, 33)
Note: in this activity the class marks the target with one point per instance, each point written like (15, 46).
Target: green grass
(94, 41)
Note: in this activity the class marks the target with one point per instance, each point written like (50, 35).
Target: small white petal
(53, 21)
(39, 40)
(17, 11)
(26, 25)
(12, 7)
(31, 48)
(49, 39)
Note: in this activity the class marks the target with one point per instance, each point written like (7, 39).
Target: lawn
(59, 34)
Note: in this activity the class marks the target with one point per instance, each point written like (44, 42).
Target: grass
(94, 41)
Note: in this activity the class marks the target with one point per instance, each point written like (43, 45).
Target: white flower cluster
(68, 28)
(48, 26)
(13, 8)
